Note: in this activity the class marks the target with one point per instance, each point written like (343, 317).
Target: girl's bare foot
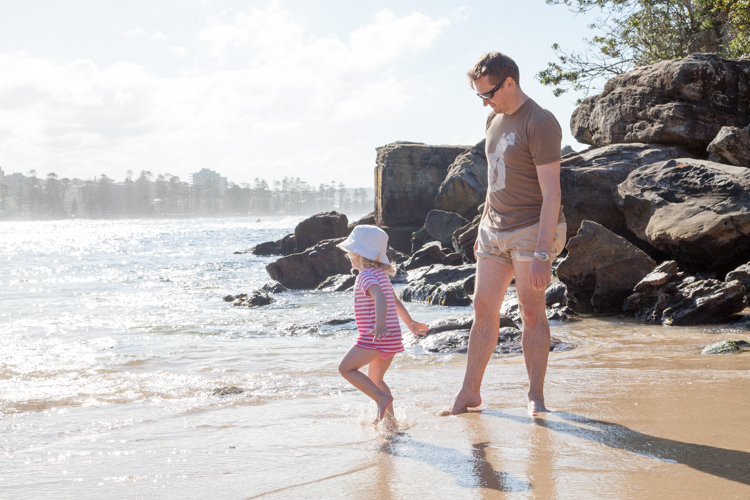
(383, 406)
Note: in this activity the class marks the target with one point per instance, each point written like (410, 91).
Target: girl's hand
(418, 329)
(379, 332)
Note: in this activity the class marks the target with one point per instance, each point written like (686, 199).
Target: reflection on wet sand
(470, 471)
(728, 464)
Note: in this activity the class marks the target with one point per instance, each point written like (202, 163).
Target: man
(522, 228)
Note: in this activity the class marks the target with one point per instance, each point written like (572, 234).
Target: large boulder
(670, 297)
(283, 246)
(682, 102)
(368, 219)
(589, 180)
(307, 269)
(439, 273)
(732, 145)
(431, 253)
(601, 269)
(741, 274)
(440, 225)
(465, 186)
(319, 227)
(695, 211)
(440, 285)
(407, 178)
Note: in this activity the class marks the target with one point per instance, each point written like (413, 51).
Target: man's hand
(539, 273)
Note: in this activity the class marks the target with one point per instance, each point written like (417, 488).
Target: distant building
(209, 179)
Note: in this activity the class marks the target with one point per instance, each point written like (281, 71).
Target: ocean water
(115, 345)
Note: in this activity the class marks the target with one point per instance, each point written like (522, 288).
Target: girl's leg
(349, 367)
(376, 371)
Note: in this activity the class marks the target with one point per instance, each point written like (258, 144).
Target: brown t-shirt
(516, 144)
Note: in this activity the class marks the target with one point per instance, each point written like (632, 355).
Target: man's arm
(549, 182)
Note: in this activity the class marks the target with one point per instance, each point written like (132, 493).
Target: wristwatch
(542, 256)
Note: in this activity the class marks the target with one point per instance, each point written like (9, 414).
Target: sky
(257, 89)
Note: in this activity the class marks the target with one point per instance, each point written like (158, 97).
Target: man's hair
(496, 65)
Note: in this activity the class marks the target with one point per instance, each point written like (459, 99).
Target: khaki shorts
(507, 246)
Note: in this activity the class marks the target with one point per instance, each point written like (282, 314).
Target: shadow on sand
(470, 471)
(728, 464)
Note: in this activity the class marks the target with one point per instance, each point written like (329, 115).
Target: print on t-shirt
(497, 161)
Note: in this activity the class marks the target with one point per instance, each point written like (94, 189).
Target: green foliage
(635, 33)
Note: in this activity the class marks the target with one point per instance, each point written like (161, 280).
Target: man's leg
(535, 340)
(492, 281)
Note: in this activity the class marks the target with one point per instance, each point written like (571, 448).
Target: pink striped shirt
(364, 312)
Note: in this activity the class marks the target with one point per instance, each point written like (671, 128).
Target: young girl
(376, 310)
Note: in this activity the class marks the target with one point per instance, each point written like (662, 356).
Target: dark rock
(399, 237)
(229, 298)
(226, 391)
(451, 294)
(682, 102)
(741, 274)
(308, 269)
(440, 225)
(284, 246)
(238, 302)
(695, 211)
(419, 239)
(457, 342)
(601, 270)
(407, 179)
(258, 299)
(589, 180)
(555, 294)
(319, 227)
(438, 273)
(272, 287)
(724, 347)
(464, 238)
(669, 297)
(732, 145)
(338, 321)
(338, 283)
(432, 253)
(368, 220)
(465, 186)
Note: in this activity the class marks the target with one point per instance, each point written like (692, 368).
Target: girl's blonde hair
(389, 269)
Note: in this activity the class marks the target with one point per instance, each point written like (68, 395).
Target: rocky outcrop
(741, 274)
(440, 225)
(683, 102)
(253, 300)
(308, 269)
(725, 347)
(368, 219)
(438, 273)
(272, 287)
(283, 246)
(451, 294)
(671, 297)
(319, 227)
(465, 186)
(430, 254)
(732, 146)
(338, 283)
(407, 179)
(695, 211)
(601, 270)
(589, 181)
(400, 237)
(463, 239)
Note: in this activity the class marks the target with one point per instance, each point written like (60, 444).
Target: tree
(639, 32)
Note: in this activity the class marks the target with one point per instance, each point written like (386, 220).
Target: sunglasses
(491, 93)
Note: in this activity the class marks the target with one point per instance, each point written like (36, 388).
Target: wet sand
(637, 413)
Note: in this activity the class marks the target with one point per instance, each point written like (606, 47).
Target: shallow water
(114, 338)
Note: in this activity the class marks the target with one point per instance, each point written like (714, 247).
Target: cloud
(158, 36)
(133, 33)
(179, 50)
(280, 85)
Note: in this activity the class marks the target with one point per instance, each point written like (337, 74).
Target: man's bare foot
(383, 406)
(536, 406)
(462, 402)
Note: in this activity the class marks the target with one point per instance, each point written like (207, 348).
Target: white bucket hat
(370, 242)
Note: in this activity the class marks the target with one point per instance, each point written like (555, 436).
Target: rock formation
(601, 270)
(308, 269)
(741, 274)
(695, 211)
(589, 180)
(671, 297)
(319, 227)
(432, 253)
(683, 102)
(465, 186)
(732, 146)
